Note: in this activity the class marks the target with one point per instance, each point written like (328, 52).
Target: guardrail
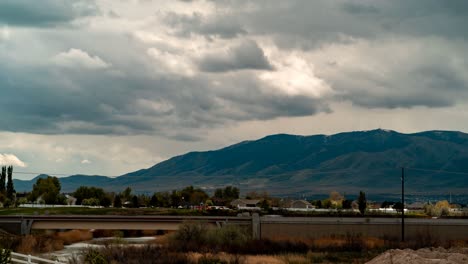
(28, 259)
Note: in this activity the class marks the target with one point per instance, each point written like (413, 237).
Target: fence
(28, 259)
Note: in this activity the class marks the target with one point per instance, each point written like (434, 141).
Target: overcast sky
(111, 86)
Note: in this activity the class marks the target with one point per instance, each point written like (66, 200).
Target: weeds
(148, 254)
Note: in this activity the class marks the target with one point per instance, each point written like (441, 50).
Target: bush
(199, 237)
(189, 237)
(39, 244)
(5, 256)
(229, 238)
(94, 257)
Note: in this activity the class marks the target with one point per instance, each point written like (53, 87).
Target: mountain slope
(287, 164)
(369, 160)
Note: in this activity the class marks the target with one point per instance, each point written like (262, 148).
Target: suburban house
(246, 204)
(301, 204)
(70, 199)
(415, 206)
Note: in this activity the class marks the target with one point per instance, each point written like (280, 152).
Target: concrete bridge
(262, 227)
(25, 224)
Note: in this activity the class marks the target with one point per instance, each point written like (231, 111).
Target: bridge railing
(28, 259)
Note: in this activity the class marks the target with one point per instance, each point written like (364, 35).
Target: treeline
(48, 191)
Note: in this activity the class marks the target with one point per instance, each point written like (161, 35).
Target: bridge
(262, 227)
(24, 224)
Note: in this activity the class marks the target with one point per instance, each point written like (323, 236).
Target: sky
(107, 87)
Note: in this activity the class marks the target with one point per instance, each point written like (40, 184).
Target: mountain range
(372, 161)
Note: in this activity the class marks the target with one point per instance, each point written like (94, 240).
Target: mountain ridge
(288, 164)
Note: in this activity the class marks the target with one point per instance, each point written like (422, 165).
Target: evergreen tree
(3, 180)
(10, 189)
(154, 201)
(117, 201)
(135, 203)
(362, 202)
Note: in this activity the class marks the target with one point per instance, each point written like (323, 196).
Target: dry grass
(194, 257)
(367, 243)
(264, 259)
(38, 244)
(73, 236)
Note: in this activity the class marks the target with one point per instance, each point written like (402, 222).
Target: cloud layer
(122, 69)
(178, 70)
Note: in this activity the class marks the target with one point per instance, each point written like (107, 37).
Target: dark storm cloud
(58, 100)
(43, 13)
(308, 24)
(376, 54)
(430, 75)
(247, 55)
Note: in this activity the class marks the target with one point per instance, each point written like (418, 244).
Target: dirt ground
(423, 256)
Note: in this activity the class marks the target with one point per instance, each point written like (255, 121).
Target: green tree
(48, 189)
(91, 202)
(3, 180)
(346, 204)
(163, 199)
(362, 202)
(326, 203)
(154, 201)
(176, 198)
(231, 193)
(398, 206)
(218, 193)
(105, 201)
(127, 194)
(117, 201)
(84, 192)
(135, 203)
(10, 189)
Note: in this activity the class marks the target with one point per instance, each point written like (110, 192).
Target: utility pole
(403, 204)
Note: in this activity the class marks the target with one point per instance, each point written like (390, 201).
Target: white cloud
(295, 76)
(10, 159)
(85, 161)
(81, 59)
(5, 33)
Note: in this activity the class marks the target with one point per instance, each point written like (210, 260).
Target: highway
(24, 224)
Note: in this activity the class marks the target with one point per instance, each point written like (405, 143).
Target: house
(246, 204)
(415, 206)
(70, 199)
(301, 204)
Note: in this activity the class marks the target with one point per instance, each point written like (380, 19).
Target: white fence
(28, 259)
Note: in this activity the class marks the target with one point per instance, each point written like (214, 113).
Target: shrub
(93, 256)
(38, 244)
(189, 237)
(5, 256)
(230, 238)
